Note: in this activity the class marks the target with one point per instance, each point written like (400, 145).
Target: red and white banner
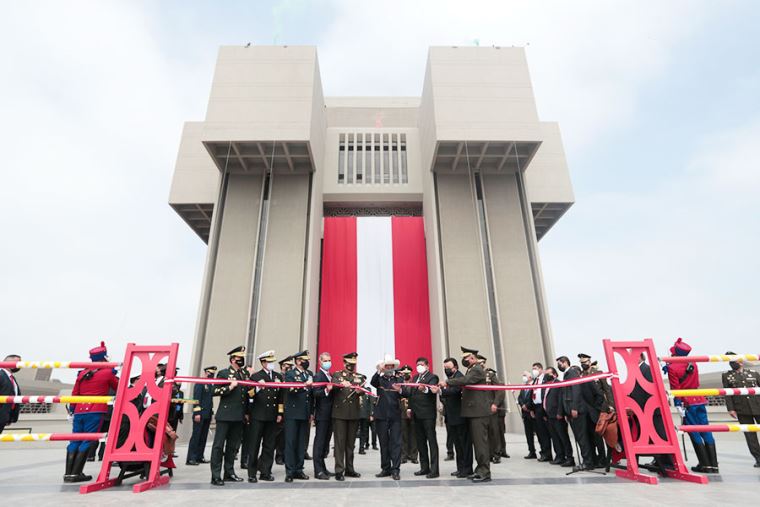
(374, 296)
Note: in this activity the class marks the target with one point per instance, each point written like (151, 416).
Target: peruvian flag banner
(374, 298)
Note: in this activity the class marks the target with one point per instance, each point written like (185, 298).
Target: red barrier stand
(649, 441)
(136, 448)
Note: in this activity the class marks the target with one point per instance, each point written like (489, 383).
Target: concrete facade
(274, 156)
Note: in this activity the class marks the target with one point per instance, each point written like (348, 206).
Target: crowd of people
(260, 426)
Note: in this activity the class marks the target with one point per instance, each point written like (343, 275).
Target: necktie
(15, 389)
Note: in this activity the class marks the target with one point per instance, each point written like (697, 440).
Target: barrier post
(650, 441)
(136, 448)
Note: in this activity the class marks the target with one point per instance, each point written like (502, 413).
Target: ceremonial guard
(423, 403)
(497, 401)
(323, 401)
(297, 413)
(233, 400)
(88, 417)
(476, 408)
(265, 413)
(387, 416)
(345, 415)
(202, 413)
(408, 435)
(451, 397)
(744, 408)
(279, 442)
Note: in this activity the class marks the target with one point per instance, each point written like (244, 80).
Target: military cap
(210, 368)
(304, 354)
(585, 358)
(350, 358)
(267, 356)
(406, 369)
(466, 352)
(237, 352)
(287, 360)
(482, 358)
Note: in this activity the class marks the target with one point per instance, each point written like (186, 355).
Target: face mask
(466, 363)
(305, 364)
(561, 367)
(549, 377)
(734, 365)
(326, 365)
(209, 375)
(270, 366)
(350, 367)
(585, 366)
(421, 368)
(389, 373)
(407, 376)
(525, 379)
(448, 371)
(240, 361)
(16, 370)
(535, 373)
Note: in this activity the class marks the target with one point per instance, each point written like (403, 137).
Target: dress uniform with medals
(279, 442)
(498, 398)
(229, 419)
(202, 413)
(408, 436)
(345, 414)
(264, 411)
(747, 408)
(476, 408)
(297, 412)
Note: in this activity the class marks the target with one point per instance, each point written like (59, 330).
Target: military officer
(265, 412)
(229, 418)
(297, 413)
(345, 414)
(202, 413)
(477, 409)
(408, 435)
(279, 446)
(744, 408)
(498, 400)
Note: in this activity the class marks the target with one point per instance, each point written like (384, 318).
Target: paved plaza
(31, 474)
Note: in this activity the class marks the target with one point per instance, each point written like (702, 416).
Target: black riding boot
(712, 459)
(68, 475)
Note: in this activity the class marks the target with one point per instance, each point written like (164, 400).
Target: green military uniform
(496, 440)
(229, 420)
(747, 408)
(476, 408)
(345, 414)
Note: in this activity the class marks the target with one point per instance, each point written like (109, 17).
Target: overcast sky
(658, 102)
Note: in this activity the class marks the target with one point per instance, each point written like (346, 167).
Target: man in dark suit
(555, 418)
(538, 414)
(202, 413)
(575, 410)
(523, 401)
(297, 413)
(387, 416)
(265, 412)
(229, 418)
(422, 403)
(322, 417)
(9, 387)
(451, 397)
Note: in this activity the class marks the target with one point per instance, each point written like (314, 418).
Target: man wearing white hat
(388, 416)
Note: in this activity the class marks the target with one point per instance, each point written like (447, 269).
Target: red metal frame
(136, 448)
(630, 352)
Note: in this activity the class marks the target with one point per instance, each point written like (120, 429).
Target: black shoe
(374, 447)
(279, 461)
(395, 476)
(355, 475)
(463, 475)
(331, 474)
(454, 473)
(496, 460)
(544, 458)
(203, 460)
(266, 477)
(531, 455)
(306, 456)
(252, 479)
(192, 463)
(339, 477)
(415, 461)
(244, 465)
(757, 464)
(404, 460)
(557, 461)
(504, 454)
(301, 476)
(432, 475)
(384, 473)
(362, 451)
(217, 482)
(479, 478)
(421, 472)
(232, 478)
(568, 463)
(90, 458)
(322, 476)
(471, 476)
(78, 466)
(288, 479)
(449, 457)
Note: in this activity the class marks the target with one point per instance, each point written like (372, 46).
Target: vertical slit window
(342, 159)
(367, 158)
(360, 158)
(394, 157)
(402, 154)
(386, 160)
(378, 165)
(350, 159)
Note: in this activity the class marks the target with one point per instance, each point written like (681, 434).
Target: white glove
(681, 411)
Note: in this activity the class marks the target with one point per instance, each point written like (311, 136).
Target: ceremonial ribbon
(271, 385)
(709, 428)
(738, 391)
(52, 437)
(58, 364)
(718, 358)
(75, 399)
(520, 387)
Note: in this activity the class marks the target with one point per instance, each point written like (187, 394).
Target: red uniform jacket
(680, 379)
(100, 384)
